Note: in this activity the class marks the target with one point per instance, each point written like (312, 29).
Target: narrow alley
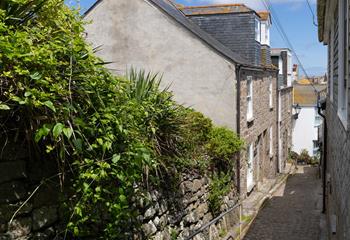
(294, 210)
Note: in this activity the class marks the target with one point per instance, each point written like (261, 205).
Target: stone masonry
(164, 215)
(285, 124)
(19, 177)
(181, 214)
(338, 175)
(257, 131)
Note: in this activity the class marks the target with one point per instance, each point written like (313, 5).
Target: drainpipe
(324, 157)
(238, 104)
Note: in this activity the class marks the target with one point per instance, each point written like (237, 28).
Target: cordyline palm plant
(20, 11)
(167, 120)
(143, 85)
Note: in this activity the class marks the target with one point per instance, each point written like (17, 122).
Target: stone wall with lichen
(178, 215)
(30, 195)
(29, 206)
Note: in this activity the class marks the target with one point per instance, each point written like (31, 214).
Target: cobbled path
(294, 211)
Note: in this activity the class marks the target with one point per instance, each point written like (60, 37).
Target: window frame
(343, 51)
(250, 103)
(270, 93)
(257, 30)
(271, 142)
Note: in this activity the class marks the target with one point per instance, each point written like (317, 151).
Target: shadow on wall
(20, 176)
(294, 212)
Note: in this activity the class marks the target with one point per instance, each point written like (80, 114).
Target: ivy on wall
(111, 135)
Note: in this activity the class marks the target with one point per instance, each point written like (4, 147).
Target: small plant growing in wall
(219, 187)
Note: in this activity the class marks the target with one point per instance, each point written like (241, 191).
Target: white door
(250, 169)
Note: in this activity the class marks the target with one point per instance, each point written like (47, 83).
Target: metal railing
(215, 220)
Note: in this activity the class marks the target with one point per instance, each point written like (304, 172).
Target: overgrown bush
(305, 157)
(111, 135)
(219, 187)
(222, 146)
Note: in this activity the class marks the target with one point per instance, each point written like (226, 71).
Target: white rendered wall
(305, 132)
(135, 33)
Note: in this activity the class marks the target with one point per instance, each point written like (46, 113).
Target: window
(267, 34)
(343, 60)
(249, 98)
(270, 93)
(257, 30)
(271, 142)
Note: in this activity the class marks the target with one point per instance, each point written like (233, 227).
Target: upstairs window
(249, 98)
(257, 30)
(271, 142)
(267, 34)
(270, 93)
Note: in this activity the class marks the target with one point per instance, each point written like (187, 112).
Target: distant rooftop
(216, 9)
(305, 94)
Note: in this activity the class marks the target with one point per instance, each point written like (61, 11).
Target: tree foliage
(109, 134)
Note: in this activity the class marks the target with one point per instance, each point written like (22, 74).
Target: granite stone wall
(285, 124)
(21, 177)
(338, 175)
(179, 211)
(257, 132)
(185, 211)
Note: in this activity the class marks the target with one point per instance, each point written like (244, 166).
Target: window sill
(250, 120)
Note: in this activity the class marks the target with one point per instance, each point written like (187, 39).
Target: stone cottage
(333, 23)
(282, 59)
(203, 71)
(247, 32)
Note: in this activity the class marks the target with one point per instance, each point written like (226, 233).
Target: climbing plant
(110, 135)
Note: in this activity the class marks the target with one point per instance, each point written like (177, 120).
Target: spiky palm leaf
(20, 11)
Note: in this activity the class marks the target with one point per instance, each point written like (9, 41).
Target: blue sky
(296, 20)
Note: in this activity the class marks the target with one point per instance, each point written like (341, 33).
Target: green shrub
(222, 146)
(220, 186)
(112, 135)
(305, 157)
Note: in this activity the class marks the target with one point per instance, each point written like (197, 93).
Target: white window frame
(257, 30)
(267, 34)
(250, 110)
(271, 142)
(270, 93)
(343, 43)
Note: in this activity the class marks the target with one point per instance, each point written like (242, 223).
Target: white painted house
(305, 131)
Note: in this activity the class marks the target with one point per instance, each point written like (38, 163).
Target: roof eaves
(321, 12)
(92, 7)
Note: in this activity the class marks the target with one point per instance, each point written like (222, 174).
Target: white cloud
(254, 4)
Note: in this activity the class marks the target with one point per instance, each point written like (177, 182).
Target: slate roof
(171, 10)
(305, 95)
(216, 9)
